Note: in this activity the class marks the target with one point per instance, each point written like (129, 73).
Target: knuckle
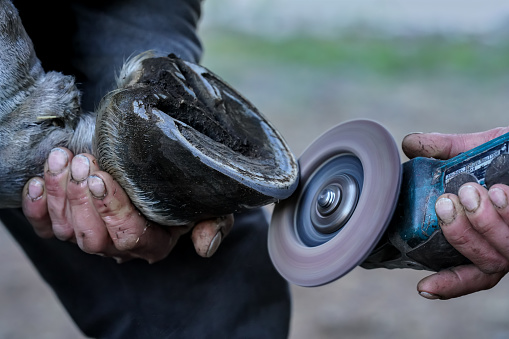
(114, 209)
(124, 228)
(54, 182)
(77, 192)
(119, 220)
(501, 266)
(482, 227)
(54, 190)
(125, 238)
(458, 238)
(77, 200)
(493, 264)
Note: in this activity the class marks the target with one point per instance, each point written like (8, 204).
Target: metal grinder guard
(357, 205)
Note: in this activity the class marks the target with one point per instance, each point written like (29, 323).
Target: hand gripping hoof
(183, 144)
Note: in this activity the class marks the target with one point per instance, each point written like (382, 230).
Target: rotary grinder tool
(356, 204)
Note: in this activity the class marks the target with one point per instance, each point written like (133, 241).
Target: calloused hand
(76, 201)
(475, 222)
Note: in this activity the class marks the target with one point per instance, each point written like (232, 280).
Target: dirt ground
(364, 304)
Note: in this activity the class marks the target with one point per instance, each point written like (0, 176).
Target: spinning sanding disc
(350, 179)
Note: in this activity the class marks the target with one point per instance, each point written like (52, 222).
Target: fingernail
(214, 244)
(498, 197)
(80, 168)
(96, 187)
(469, 198)
(445, 210)
(57, 160)
(429, 296)
(35, 189)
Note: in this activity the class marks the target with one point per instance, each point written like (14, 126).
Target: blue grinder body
(413, 238)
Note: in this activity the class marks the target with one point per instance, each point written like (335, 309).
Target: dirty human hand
(475, 222)
(78, 202)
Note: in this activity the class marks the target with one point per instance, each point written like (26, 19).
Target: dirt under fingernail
(96, 187)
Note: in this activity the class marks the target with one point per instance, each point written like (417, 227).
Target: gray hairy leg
(38, 110)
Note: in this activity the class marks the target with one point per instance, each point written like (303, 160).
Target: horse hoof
(186, 146)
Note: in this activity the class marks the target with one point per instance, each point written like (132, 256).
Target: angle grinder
(356, 204)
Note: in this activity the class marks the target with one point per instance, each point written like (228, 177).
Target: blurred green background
(407, 69)
(308, 65)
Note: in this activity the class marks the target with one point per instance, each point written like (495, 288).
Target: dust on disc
(316, 265)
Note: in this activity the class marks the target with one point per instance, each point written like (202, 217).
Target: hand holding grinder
(357, 205)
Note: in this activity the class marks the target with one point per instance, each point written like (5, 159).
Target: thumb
(445, 146)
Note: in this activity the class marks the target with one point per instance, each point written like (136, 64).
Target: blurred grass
(366, 53)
